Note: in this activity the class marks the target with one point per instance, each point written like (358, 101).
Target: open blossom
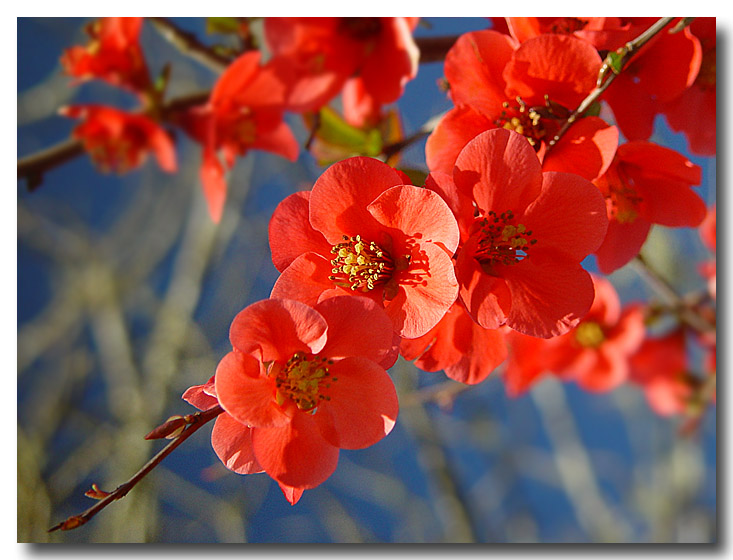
(660, 368)
(520, 264)
(244, 112)
(362, 231)
(646, 184)
(530, 88)
(113, 54)
(370, 59)
(463, 349)
(119, 141)
(694, 110)
(595, 354)
(301, 383)
(659, 73)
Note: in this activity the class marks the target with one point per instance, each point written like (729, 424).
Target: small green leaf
(615, 60)
(224, 25)
(594, 110)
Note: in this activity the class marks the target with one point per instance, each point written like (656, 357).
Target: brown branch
(434, 49)
(613, 65)
(194, 422)
(189, 45)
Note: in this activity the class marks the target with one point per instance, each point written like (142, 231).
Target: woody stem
(668, 293)
(613, 65)
(196, 421)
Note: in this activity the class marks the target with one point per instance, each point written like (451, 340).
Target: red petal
(621, 244)
(587, 149)
(460, 204)
(279, 140)
(296, 454)
(291, 233)
(526, 362)
(201, 396)
(569, 216)
(486, 297)
(473, 67)
(214, 184)
(306, 280)
(346, 317)
(456, 129)
(245, 395)
(427, 289)
(610, 371)
(274, 329)
(363, 405)
(292, 494)
(548, 297)
(501, 170)
(560, 66)
(232, 443)
(339, 199)
(418, 213)
(163, 149)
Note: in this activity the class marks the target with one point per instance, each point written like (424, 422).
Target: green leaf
(224, 25)
(615, 60)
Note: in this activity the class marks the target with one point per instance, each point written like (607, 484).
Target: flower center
(302, 380)
(502, 241)
(622, 199)
(589, 334)
(360, 265)
(534, 123)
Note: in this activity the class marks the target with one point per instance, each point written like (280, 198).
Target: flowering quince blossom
(520, 262)
(301, 383)
(694, 111)
(120, 141)
(646, 184)
(595, 354)
(660, 368)
(362, 230)
(661, 71)
(244, 112)
(113, 54)
(370, 59)
(463, 349)
(530, 88)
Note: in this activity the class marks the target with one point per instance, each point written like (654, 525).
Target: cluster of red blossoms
(481, 265)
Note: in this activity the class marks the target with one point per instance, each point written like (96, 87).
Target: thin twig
(662, 287)
(196, 421)
(608, 74)
(189, 45)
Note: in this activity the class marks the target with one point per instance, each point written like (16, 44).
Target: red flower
(362, 230)
(373, 57)
(660, 369)
(464, 350)
(662, 70)
(301, 383)
(604, 33)
(244, 112)
(120, 141)
(595, 354)
(113, 54)
(693, 112)
(520, 265)
(531, 89)
(646, 184)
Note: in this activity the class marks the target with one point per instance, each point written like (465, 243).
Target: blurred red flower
(646, 184)
(660, 368)
(244, 112)
(119, 141)
(113, 54)
(362, 230)
(301, 383)
(694, 111)
(369, 58)
(595, 354)
(520, 264)
(530, 88)
(463, 349)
